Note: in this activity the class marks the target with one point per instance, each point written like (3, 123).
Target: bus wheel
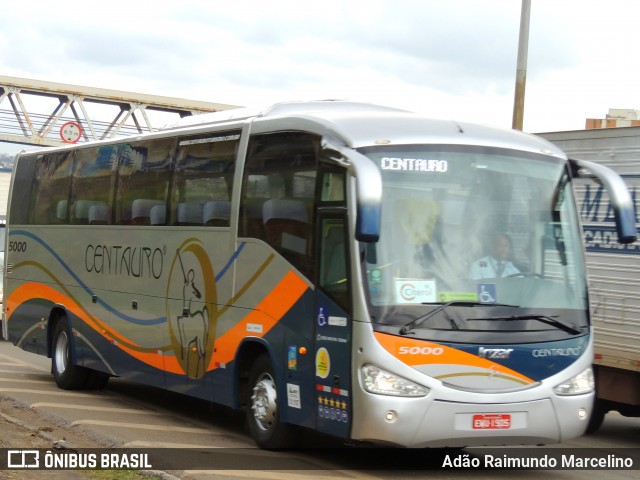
(600, 409)
(263, 413)
(67, 375)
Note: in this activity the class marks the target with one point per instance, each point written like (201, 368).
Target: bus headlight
(577, 385)
(381, 382)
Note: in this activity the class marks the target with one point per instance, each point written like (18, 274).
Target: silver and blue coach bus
(326, 265)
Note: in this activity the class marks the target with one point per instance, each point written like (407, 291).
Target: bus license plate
(494, 421)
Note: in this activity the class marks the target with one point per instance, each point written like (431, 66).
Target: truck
(613, 268)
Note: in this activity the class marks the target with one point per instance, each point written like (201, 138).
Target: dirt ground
(22, 427)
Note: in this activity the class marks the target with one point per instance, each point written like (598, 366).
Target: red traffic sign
(70, 132)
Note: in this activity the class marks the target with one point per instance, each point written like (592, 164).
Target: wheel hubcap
(62, 344)
(263, 402)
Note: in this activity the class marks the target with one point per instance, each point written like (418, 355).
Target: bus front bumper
(419, 423)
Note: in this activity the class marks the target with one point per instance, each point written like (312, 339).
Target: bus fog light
(582, 413)
(391, 416)
(381, 382)
(577, 385)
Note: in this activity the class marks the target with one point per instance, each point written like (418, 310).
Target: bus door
(333, 391)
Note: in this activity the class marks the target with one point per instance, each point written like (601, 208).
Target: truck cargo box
(613, 269)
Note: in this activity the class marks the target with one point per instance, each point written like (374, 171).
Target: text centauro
(138, 261)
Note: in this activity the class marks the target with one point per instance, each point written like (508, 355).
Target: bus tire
(263, 412)
(600, 409)
(66, 375)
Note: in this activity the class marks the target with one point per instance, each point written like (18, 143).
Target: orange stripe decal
(257, 323)
(32, 290)
(150, 356)
(162, 362)
(419, 352)
(266, 314)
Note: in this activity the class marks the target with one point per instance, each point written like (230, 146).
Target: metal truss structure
(34, 112)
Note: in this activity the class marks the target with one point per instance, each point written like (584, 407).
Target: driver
(496, 265)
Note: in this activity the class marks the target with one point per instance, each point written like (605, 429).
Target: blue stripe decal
(230, 262)
(535, 360)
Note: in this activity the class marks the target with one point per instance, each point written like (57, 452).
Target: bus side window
(143, 181)
(216, 213)
(334, 277)
(91, 185)
(50, 193)
(286, 225)
(23, 178)
(278, 195)
(203, 178)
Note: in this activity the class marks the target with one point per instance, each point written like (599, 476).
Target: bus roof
(365, 124)
(356, 124)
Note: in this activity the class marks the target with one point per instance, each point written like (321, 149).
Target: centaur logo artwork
(192, 322)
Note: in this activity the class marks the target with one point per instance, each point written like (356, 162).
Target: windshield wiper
(549, 320)
(417, 321)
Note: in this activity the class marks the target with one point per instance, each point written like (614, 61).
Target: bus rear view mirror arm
(619, 196)
(368, 186)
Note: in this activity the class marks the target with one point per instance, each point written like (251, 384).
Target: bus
(314, 264)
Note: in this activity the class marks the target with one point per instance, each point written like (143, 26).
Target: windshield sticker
(487, 293)
(414, 164)
(375, 277)
(412, 290)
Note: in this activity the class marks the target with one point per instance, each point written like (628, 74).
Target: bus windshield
(480, 227)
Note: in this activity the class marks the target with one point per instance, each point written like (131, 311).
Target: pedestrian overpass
(35, 112)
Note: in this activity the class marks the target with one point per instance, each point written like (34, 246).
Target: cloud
(440, 57)
(458, 46)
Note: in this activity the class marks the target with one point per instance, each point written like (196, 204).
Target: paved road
(138, 417)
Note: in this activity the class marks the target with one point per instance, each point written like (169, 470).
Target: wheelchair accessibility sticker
(487, 293)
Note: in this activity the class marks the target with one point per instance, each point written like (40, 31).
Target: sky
(452, 59)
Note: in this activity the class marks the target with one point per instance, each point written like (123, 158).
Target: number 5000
(17, 246)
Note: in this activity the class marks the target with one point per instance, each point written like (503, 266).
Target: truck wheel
(67, 375)
(263, 414)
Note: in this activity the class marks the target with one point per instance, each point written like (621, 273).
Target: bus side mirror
(368, 223)
(368, 186)
(619, 196)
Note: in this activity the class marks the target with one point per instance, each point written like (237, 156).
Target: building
(617, 117)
